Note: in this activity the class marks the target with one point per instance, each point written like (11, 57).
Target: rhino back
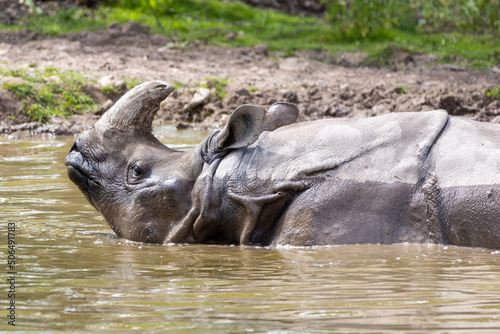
(389, 148)
(357, 174)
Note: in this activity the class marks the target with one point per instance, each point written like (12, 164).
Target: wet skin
(263, 179)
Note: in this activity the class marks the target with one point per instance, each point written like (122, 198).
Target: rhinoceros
(266, 180)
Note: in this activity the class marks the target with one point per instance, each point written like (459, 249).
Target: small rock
(107, 80)
(401, 56)
(346, 93)
(290, 97)
(233, 99)
(242, 92)
(322, 84)
(210, 108)
(245, 52)
(400, 90)
(110, 80)
(201, 97)
(453, 68)
(196, 43)
(338, 110)
(114, 26)
(450, 103)
(230, 36)
(291, 64)
(381, 109)
(313, 91)
(183, 126)
(261, 49)
(325, 110)
(420, 101)
(134, 28)
(158, 39)
(495, 105)
(455, 106)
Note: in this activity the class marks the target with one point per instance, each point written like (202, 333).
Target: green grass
(493, 93)
(132, 82)
(178, 85)
(219, 84)
(109, 89)
(466, 31)
(401, 90)
(49, 92)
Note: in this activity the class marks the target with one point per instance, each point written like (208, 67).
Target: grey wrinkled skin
(266, 180)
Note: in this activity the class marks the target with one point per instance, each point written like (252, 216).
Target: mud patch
(321, 88)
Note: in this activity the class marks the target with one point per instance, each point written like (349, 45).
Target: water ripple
(78, 276)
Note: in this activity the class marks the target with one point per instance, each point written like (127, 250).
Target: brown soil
(340, 87)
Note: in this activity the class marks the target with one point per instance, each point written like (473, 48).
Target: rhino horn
(135, 111)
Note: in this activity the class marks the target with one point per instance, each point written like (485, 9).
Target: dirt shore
(321, 86)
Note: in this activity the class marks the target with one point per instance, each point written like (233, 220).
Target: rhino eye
(137, 171)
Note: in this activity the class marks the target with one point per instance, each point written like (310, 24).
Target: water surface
(74, 274)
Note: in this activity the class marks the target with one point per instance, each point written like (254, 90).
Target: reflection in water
(75, 274)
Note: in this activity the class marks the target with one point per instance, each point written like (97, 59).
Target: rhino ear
(280, 114)
(243, 128)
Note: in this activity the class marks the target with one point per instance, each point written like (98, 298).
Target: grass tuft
(109, 90)
(50, 92)
(493, 93)
(133, 82)
(219, 84)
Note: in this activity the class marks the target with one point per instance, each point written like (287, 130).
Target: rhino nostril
(76, 147)
(73, 147)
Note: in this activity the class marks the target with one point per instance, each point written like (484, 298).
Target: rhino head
(142, 187)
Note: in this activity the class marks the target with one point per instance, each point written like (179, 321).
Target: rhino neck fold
(191, 166)
(209, 149)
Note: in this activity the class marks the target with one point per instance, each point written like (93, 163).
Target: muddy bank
(211, 82)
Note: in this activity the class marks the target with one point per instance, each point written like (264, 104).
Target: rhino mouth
(75, 162)
(77, 176)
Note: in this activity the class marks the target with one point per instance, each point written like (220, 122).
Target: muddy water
(73, 274)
